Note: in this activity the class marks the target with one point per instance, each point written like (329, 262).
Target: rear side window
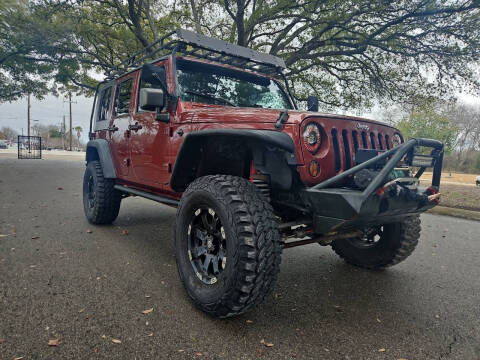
(122, 97)
(104, 108)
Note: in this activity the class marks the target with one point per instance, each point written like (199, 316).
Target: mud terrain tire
(101, 201)
(395, 244)
(248, 236)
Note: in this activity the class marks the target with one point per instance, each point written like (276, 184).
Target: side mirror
(312, 103)
(154, 100)
(151, 99)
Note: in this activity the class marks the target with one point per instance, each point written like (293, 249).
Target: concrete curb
(460, 213)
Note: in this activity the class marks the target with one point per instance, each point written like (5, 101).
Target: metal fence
(29, 147)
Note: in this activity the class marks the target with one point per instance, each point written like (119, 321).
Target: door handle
(112, 128)
(135, 127)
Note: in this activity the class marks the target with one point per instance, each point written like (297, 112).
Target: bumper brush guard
(337, 209)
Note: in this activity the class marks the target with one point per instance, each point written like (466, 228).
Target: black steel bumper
(341, 208)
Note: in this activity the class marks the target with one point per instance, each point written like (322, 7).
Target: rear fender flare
(99, 149)
(272, 153)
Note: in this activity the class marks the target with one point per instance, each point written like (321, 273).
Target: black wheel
(227, 245)
(101, 201)
(381, 246)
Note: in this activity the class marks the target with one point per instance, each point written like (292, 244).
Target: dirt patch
(448, 177)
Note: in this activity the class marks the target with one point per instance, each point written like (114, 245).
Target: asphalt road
(63, 278)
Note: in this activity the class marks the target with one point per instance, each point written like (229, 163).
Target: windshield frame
(287, 94)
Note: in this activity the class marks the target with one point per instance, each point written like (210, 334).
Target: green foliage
(55, 133)
(425, 122)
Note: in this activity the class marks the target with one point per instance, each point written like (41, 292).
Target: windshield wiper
(210, 96)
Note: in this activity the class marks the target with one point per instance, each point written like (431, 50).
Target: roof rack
(191, 44)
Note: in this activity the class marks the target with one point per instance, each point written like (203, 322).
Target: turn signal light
(314, 168)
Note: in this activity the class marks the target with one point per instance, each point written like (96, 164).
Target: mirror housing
(151, 99)
(312, 103)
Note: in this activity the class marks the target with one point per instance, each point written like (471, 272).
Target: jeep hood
(216, 114)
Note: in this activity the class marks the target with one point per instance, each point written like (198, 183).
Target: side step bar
(147, 195)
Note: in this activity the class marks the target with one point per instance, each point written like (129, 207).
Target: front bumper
(335, 209)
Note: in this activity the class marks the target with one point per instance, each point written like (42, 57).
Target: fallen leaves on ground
(19, 358)
(116, 341)
(267, 344)
(151, 334)
(249, 321)
(124, 232)
(54, 342)
(35, 237)
(381, 350)
(199, 354)
(148, 311)
(89, 231)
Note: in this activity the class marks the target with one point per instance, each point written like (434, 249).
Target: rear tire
(227, 245)
(396, 242)
(101, 202)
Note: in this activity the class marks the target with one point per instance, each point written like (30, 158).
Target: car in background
(3, 144)
(477, 180)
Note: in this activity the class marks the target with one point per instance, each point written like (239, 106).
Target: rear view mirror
(312, 103)
(151, 99)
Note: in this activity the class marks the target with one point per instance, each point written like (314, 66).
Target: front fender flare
(99, 149)
(190, 152)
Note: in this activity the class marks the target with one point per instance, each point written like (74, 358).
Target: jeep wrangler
(212, 129)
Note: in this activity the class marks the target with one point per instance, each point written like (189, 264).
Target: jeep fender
(99, 149)
(271, 152)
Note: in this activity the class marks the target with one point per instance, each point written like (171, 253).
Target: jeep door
(120, 126)
(149, 143)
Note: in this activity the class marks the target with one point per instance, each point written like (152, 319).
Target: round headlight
(312, 137)
(396, 140)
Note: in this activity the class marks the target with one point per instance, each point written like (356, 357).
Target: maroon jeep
(212, 129)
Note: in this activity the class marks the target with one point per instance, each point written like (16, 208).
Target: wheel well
(92, 154)
(233, 154)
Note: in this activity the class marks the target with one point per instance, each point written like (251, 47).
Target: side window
(102, 116)
(122, 97)
(144, 84)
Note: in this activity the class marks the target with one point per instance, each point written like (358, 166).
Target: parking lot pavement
(61, 278)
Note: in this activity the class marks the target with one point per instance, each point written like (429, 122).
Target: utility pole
(28, 128)
(28, 115)
(70, 102)
(63, 132)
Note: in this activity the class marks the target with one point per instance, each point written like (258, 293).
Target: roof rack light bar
(201, 47)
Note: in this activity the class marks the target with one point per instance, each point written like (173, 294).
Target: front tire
(101, 202)
(227, 245)
(382, 246)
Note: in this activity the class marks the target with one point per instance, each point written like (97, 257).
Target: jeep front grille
(346, 145)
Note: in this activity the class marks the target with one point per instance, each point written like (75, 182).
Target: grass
(460, 196)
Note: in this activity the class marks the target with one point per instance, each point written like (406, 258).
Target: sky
(48, 111)
(51, 109)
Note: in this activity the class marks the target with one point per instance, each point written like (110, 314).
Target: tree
(347, 52)
(79, 130)
(8, 133)
(426, 122)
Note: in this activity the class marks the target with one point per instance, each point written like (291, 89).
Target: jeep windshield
(209, 84)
